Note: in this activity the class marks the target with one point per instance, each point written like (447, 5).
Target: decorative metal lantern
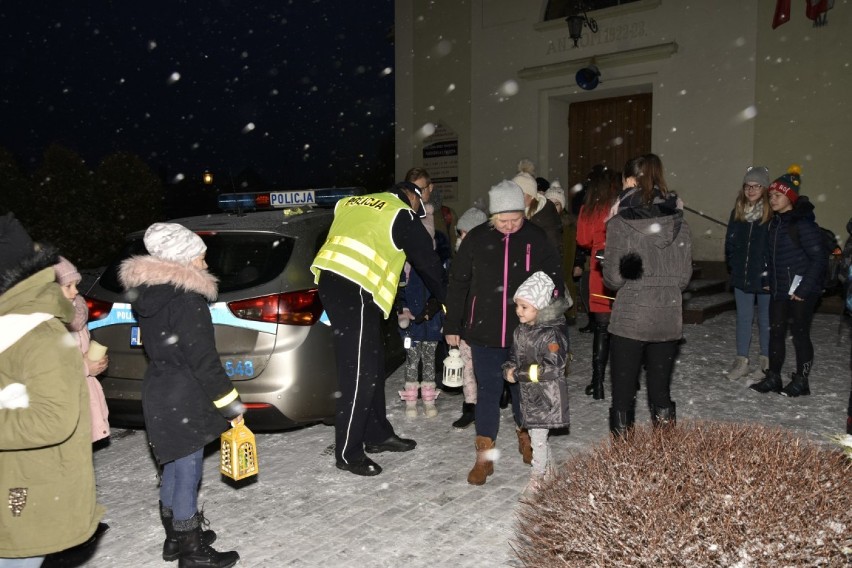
(453, 368)
(239, 453)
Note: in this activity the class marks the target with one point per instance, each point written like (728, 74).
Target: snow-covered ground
(301, 511)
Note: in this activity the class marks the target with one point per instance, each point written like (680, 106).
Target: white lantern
(453, 367)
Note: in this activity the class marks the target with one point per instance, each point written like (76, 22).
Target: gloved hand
(433, 306)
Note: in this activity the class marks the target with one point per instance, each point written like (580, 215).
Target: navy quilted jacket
(745, 254)
(785, 259)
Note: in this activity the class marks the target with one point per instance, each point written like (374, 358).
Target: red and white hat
(789, 184)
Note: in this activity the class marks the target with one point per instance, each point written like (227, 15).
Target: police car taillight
(291, 308)
(98, 309)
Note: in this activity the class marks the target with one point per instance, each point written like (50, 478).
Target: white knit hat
(470, 219)
(527, 183)
(506, 196)
(537, 290)
(173, 242)
(556, 193)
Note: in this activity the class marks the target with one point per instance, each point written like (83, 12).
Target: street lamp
(577, 20)
(207, 177)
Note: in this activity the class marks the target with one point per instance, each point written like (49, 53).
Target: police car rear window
(238, 260)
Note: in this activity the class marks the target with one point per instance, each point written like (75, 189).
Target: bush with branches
(698, 494)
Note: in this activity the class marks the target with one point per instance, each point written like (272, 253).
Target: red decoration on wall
(782, 13)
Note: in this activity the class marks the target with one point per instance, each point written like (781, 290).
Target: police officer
(358, 269)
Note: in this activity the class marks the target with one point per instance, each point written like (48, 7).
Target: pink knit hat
(66, 273)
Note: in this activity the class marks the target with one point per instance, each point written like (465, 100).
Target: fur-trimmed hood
(139, 272)
(553, 313)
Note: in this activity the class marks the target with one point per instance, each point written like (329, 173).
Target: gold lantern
(239, 452)
(453, 369)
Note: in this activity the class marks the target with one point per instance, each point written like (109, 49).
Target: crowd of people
(502, 285)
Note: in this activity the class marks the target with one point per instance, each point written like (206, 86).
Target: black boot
(600, 356)
(468, 415)
(505, 397)
(621, 422)
(798, 386)
(770, 383)
(195, 554)
(663, 416)
(171, 550)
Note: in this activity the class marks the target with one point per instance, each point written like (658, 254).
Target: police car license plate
(135, 336)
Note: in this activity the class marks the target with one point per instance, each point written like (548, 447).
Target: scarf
(754, 212)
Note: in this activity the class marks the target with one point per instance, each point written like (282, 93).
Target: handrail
(708, 217)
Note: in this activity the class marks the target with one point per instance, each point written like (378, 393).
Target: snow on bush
(700, 494)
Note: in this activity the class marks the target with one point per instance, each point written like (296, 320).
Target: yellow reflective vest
(360, 246)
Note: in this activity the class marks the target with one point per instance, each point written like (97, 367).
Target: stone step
(706, 286)
(697, 308)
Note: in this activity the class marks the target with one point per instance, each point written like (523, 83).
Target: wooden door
(607, 131)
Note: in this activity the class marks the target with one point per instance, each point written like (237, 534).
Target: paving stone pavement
(303, 512)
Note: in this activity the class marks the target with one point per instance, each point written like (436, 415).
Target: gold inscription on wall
(622, 32)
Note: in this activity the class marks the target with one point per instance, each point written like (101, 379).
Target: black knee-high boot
(600, 356)
(663, 416)
(621, 422)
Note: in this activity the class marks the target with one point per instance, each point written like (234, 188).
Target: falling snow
(420, 512)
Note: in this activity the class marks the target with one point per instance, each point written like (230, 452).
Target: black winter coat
(544, 404)
(185, 380)
(550, 222)
(745, 254)
(486, 271)
(785, 259)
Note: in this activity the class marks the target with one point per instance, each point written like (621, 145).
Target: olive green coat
(46, 446)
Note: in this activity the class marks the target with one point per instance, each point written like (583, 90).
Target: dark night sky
(300, 90)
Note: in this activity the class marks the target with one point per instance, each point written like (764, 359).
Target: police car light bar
(269, 200)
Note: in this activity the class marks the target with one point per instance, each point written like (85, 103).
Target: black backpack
(831, 281)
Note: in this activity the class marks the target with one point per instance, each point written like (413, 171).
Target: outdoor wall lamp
(577, 20)
(207, 177)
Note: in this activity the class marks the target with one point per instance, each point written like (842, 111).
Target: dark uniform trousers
(361, 408)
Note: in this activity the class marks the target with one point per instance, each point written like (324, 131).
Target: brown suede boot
(483, 466)
(524, 445)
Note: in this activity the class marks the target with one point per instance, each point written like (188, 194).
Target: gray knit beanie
(470, 219)
(757, 174)
(506, 196)
(537, 290)
(173, 242)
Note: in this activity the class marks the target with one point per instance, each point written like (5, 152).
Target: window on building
(557, 9)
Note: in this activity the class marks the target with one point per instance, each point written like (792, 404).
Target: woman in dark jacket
(648, 260)
(492, 261)
(796, 263)
(187, 399)
(745, 247)
(537, 208)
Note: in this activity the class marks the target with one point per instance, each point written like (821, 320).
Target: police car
(272, 335)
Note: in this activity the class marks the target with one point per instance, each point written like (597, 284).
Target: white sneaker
(739, 368)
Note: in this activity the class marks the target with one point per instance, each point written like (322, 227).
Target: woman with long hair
(745, 245)
(602, 190)
(648, 261)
